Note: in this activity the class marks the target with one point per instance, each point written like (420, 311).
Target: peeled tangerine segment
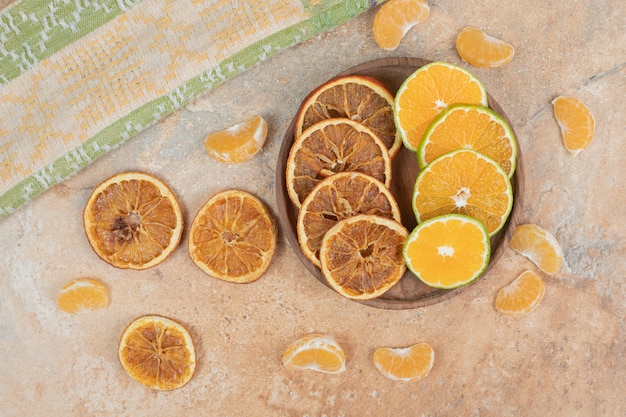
(576, 123)
(395, 18)
(316, 352)
(83, 294)
(538, 245)
(481, 50)
(522, 295)
(405, 364)
(238, 143)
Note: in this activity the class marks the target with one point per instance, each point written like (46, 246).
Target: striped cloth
(79, 77)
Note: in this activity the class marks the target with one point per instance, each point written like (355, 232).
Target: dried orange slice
(522, 295)
(395, 18)
(538, 245)
(133, 220)
(331, 146)
(83, 294)
(405, 364)
(233, 237)
(464, 182)
(479, 49)
(337, 197)
(469, 127)
(237, 143)
(448, 251)
(357, 97)
(157, 352)
(427, 92)
(317, 352)
(361, 256)
(576, 123)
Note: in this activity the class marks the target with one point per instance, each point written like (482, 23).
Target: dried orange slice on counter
(538, 245)
(361, 256)
(427, 92)
(133, 220)
(331, 146)
(83, 294)
(237, 143)
(479, 49)
(157, 352)
(405, 364)
(336, 198)
(576, 123)
(316, 352)
(233, 237)
(395, 18)
(522, 295)
(357, 97)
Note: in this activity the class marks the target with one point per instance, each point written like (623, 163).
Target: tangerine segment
(361, 256)
(357, 97)
(233, 237)
(157, 352)
(405, 364)
(316, 352)
(336, 198)
(427, 92)
(469, 127)
(395, 18)
(237, 143)
(479, 49)
(83, 294)
(538, 245)
(448, 251)
(464, 182)
(522, 295)
(331, 146)
(576, 123)
(133, 220)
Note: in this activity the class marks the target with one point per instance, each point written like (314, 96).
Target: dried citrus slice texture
(83, 294)
(133, 220)
(157, 352)
(357, 97)
(317, 352)
(469, 127)
(405, 364)
(331, 146)
(239, 142)
(427, 92)
(233, 237)
(464, 182)
(361, 256)
(575, 121)
(395, 18)
(538, 245)
(448, 251)
(479, 49)
(335, 198)
(522, 295)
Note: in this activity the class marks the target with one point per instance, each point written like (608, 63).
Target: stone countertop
(566, 358)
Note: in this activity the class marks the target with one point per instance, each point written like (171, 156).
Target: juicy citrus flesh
(448, 251)
(336, 198)
(405, 364)
(522, 295)
(83, 294)
(133, 220)
(361, 256)
(233, 237)
(157, 352)
(316, 352)
(481, 50)
(470, 127)
(464, 182)
(538, 245)
(239, 142)
(575, 121)
(331, 146)
(395, 18)
(357, 97)
(427, 92)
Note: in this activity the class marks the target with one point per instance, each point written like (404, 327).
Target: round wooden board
(410, 292)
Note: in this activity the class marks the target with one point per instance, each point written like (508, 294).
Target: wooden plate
(410, 292)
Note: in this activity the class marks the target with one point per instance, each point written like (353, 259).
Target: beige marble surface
(566, 358)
